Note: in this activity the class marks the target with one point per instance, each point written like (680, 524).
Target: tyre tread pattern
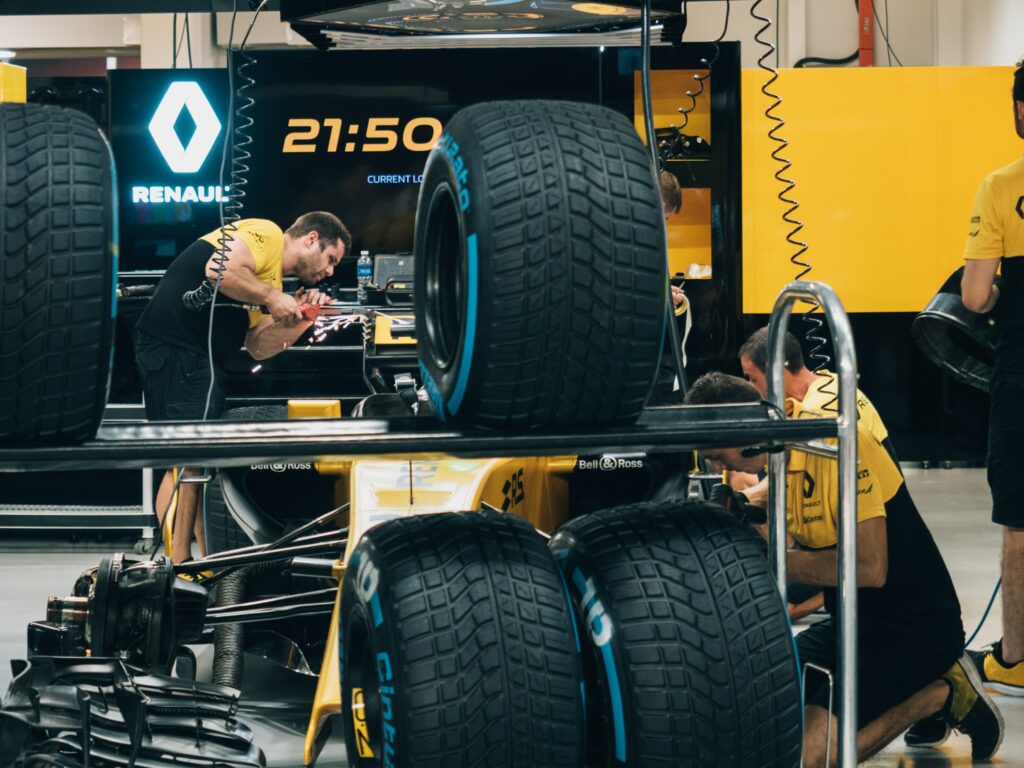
(578, 273)
(491, 671)
(57, 281)
(710, 673)
(571, 194)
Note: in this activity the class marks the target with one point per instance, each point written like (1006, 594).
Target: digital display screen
(349, 131)
(341, 131)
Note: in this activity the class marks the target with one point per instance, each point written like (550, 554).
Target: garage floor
(954, 503)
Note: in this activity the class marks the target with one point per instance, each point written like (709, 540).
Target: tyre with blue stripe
(458, 647)
(540, 284)
(58, 273)
(688, 654)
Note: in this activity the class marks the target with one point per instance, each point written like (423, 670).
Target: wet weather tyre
(223, 532)
(458, 647)
(57, 272)
(540, 268)
(687, 644)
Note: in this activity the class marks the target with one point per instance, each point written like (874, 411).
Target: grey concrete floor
(954, 503)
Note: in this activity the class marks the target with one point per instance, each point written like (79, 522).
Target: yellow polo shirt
(822, 396)
(812, 486)
(265, 242)
(997, 220)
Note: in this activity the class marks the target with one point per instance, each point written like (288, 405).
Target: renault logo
(180, 157)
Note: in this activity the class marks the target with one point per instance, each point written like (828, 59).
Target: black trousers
(891, 669)
(176, 380)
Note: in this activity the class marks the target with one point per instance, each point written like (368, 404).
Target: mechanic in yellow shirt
(910, 635)
(816, 391)
(176, 347)
(995, 236)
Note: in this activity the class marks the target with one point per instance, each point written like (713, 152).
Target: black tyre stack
(540, 268)
(541, 295)
(58, 262)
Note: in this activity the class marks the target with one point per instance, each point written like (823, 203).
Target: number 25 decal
(513, 491)
(382, 134)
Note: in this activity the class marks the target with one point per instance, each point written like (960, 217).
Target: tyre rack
(659, 429)
(846, 423)
(225, 444)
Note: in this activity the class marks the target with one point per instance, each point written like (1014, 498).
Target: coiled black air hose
(229, 639)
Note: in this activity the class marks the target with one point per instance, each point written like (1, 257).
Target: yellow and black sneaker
(996, 673)
(970, 711)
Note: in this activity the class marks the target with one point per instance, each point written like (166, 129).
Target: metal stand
(145, 543)
(842, 336)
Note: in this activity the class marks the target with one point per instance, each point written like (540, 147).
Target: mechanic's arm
(272, 336)
(807, 607)
(241, 284)
(977, 287)
(821, 566)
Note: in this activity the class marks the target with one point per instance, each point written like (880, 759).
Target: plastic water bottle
(364, 273)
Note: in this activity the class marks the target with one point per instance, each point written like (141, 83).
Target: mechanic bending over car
(171, 340)
(815, 392)
(819, 392)
(910, 635)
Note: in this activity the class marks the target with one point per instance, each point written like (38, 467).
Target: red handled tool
(309, 311)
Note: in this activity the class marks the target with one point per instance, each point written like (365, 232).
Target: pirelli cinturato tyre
(686, 641)
(540, 283)
(58, 265)
(459, 648)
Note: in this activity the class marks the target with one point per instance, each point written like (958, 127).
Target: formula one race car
(457, 634)
(524, 585)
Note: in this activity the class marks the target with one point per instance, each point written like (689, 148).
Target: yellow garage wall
(689, 232)
(887, 161)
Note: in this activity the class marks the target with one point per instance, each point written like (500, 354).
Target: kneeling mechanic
(910, 635)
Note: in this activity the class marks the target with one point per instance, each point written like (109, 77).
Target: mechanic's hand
(736, 504)
(283, 308)
(677, 295)
(312, 296)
